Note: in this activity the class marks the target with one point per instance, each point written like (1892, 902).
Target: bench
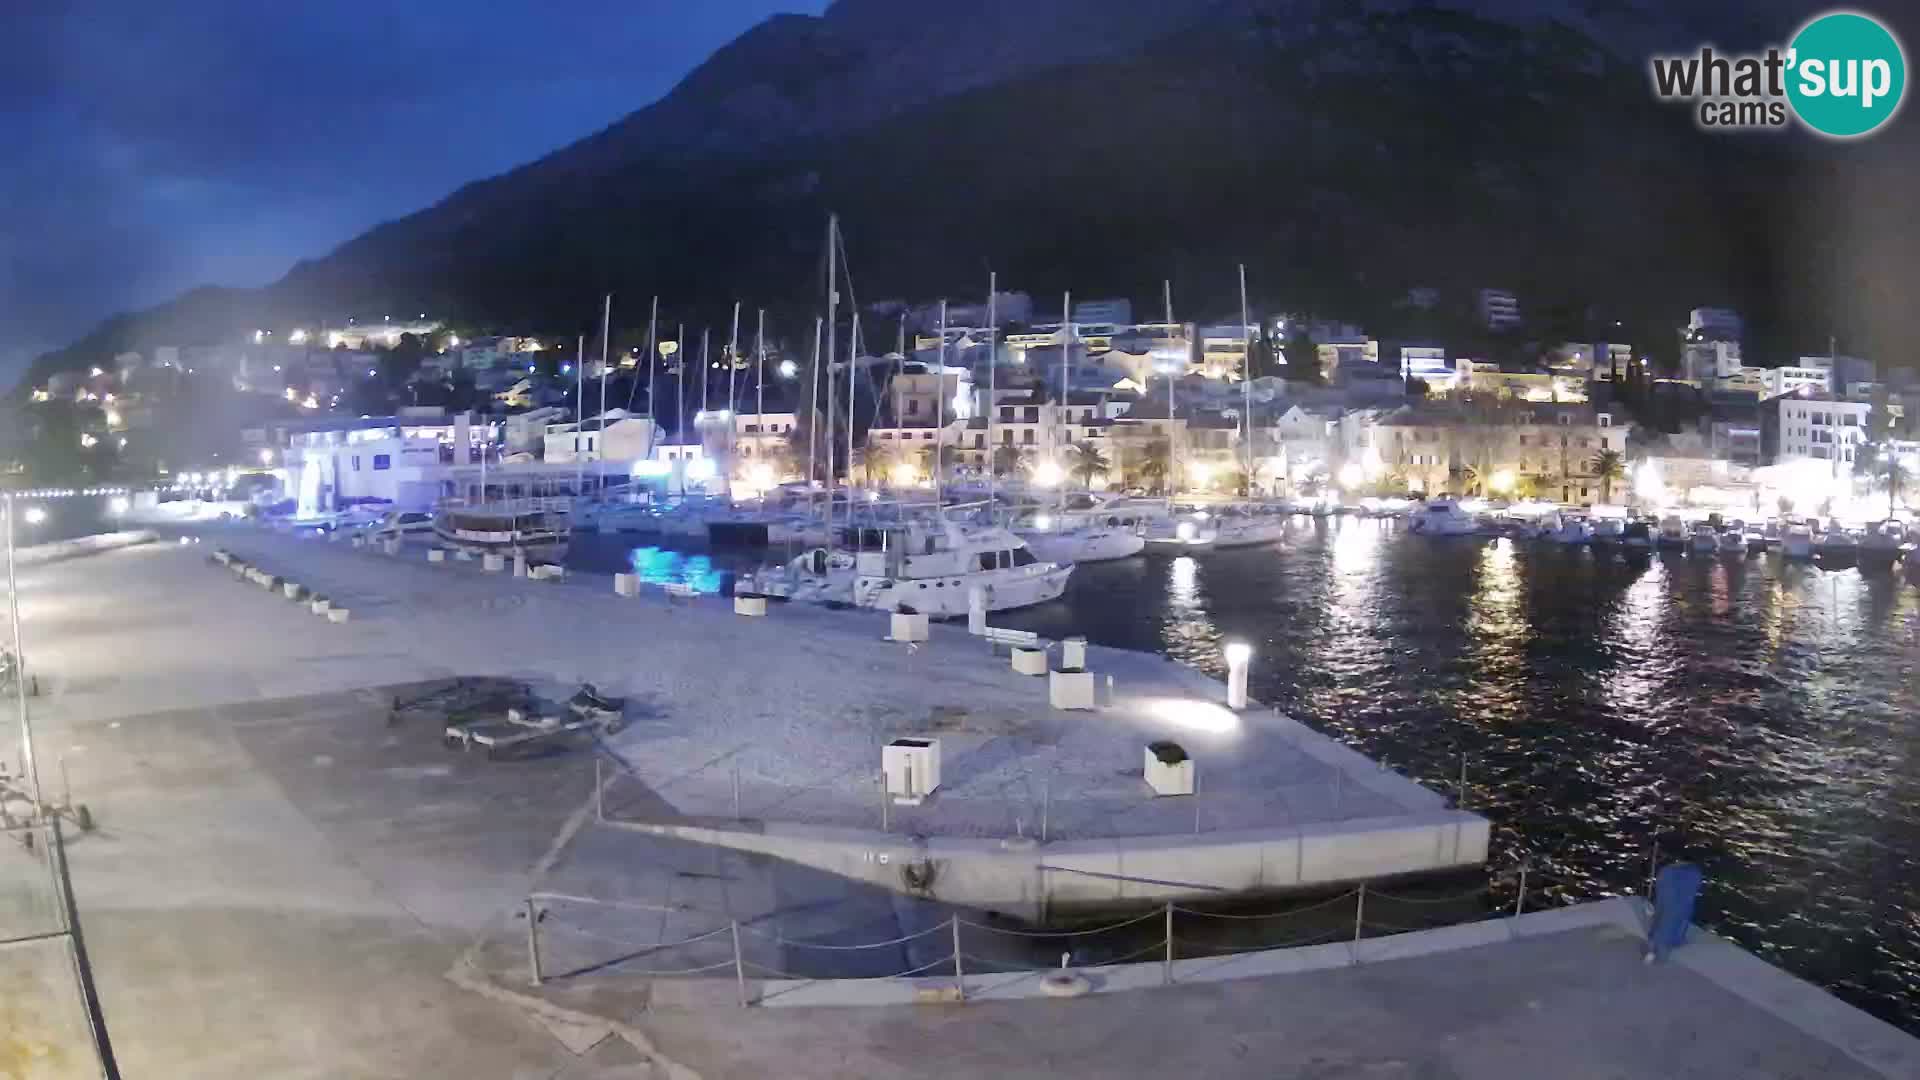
(1025, 639)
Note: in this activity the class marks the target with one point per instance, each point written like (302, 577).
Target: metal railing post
(599, 792)
(1463, 781)
(736, 791)
(1359, 911)
(959, 976)
(1046, 805)
(883, 803)
(533, 941)
(1519, 902)
(1166, 970)
(1653, 867)
(739, 964)
(1196, 802)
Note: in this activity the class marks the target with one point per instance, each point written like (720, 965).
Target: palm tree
(1154, 465)
(1469, 479)
(1008, 459)
(879, 461)
(1608, 466)
(1086, 461)
(938, 459)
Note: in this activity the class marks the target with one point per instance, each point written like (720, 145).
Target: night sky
(152, 147)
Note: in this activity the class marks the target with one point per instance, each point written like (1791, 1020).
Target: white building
(1345, 351)
(622, 438)
(1819, 427)
(1795, 380)
(1430, 365)
(1714, 324)
(1499, 309)
(1223, 351)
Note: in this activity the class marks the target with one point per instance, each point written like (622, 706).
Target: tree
(879, 462)
(1155, 464)
(938, 460)
(1086, 461)
(1607, 466)
(1008, 459)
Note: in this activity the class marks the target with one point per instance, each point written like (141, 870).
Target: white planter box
(1073, 654)
(1168, 777)
(338, 614)
(359, 541)
(321, 607)
(463, 554)
(519, 566)
(912, 769)
(548, 572)
(626, 584)
(1030, 661)
(493, 564)
(292, 591)
(753, 606)
(1070, 689)
(393, 547)
(436, 555)
(908, 627)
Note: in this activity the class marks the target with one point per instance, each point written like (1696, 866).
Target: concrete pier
(287, 881)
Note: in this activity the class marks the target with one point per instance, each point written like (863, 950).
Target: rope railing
(1154, 914)
(944, 961)
(1455, 899)
(1331, 901)
(947, 925)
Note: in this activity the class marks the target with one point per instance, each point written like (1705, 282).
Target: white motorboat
(929, 567)
(1703, 540)
(1636, 536)
(1672, 533)
(1443, 517)
(1247, 526)
(1569, 529)
(535, 528)
(1836, 544)
(400, 525)
(1079, 537)
(1733, 542)
(1796, 543)
(1608, 531)
(1164, 526)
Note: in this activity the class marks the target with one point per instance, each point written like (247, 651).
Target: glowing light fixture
(35, 515)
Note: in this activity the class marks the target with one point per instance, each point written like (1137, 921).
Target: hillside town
(1091, 397)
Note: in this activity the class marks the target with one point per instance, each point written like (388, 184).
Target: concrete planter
(1168, 770)
(1070, 689)
(338, 615)
(392, 546)
(1030, 661)
(1073, 654)
(436, 555)
(292, 591)
(493, 564)
(519, 566)
(908, 626)
(463, 555)
(320, 605)
(626, 584)
(750, 605)
(547, 573)
(359, 541)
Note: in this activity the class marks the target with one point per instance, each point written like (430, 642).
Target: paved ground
(281, 885)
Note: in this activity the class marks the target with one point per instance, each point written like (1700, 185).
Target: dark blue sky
(151, 147)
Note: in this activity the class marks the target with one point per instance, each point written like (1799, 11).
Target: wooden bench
(1025, 639)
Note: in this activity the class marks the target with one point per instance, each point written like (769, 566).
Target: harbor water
(1754, 716)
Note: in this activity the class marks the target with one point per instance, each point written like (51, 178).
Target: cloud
(154, 147)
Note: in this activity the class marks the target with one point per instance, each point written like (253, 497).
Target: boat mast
(899, 370)
(760, 379)
(579, 412)
(993, 367)
(606, 333)
(940, 408)
(706, 380)
(833, 326)
(1246, 386)
(1060, 412)
(680, 388)
(733, 427)
(853, 363)
(1173, 430)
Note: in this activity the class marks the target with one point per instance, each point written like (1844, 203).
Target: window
(1023, 557)
(1006, 437)
(356, 463)
(1026, 436)
(1006, 412)
(913, 406)
(1605, 420)
(382, 461)
(1033, 414)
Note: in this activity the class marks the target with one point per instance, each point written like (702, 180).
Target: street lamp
(35, 515)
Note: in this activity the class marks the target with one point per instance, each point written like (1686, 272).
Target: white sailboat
(930, 567)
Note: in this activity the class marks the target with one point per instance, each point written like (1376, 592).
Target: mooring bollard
(1239, 654)
(493, 564)
(626, 584)
(436, 554)
(519, 564)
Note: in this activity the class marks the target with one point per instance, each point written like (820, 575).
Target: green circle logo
(1846, 74)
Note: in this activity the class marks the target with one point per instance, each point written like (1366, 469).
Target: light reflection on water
(1757, 717)
(664, 566)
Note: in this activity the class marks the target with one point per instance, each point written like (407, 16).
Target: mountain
(1343, 152)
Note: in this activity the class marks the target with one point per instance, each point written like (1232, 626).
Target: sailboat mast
(940, 408)
(606, 335)
(993, 368)
(1246, 387)
(833, 327)
(1060, 413)
(706, 379)
(1173, 412)
(680, 385)
(760, 378)
(579, 412)
(853, 363)
(813, 403)
(733, 363)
